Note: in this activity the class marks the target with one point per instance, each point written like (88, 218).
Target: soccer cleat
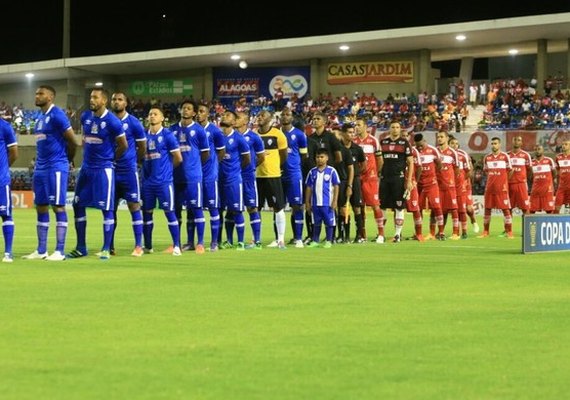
(483, 235)
(273, 244)
(176, 251)
(380, 239)
(292, 241)
(464, 235)
(214, 247)
(475, 227)
(75, 254)
(240, 246)
(299, 244)
(327, 244)
(454, 237)
(313, 245)
(200, 249)
(56, 256)
(35, 256)
(169, 249)
(137, 252)
(254, 246)
(307, 240)
(359, 240)
(339, 240)
(395, 239)
(510, 235)
(105, 255)
(148, 251)
(188, 247)
(281, 246)
(429, 236)
(441, 237)
(419, 238)
(227, 245)
(502, 234)
(8, 258)
(113, 252)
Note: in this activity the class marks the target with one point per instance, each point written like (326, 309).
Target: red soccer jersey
(428, 155)
(497, 167)
(371, 149)
(446, 175)
(417, 164)
(563, 167)
(542, 181)
(462, 183)
(520, 161)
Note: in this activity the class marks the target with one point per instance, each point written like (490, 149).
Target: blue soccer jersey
(217, 142)
(135, 133)
(296, 146)
(255, 147)
(322, 183)
(157, 165)
(50, 141)
(7, 140)
(99, 137)
(230, 167)
(192, 140)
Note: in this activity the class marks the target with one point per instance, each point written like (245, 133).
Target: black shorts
(356, 198)
(271, 190)
(341, 202)
(392, 193)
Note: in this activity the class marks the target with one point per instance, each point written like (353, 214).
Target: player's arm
(308, 197)
(69, 136)
(334, 203)
(282, 157)
(260, 158)
(205, 156)
(349, 181)
(176, 157)
(141, 149)
(245, 159)
(121, 147)
(12, 154)
(410, 165)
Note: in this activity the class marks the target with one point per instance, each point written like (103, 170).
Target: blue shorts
(232, 196)
(250, 196)
(95, 188)
(324, 214)
(164, 194)
(127, 186)
(5, 200)
(50, 187)
(293, 190)
(188, 195)
(211, 194)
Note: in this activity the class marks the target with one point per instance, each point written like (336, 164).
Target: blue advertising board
(232, 83)
(546, 232)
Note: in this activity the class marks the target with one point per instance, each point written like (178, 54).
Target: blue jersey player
(8, 154)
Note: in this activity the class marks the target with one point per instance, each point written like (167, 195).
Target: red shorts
(448, 199)
(370, 192)
(462, 203)
(412, 204)
(542, 203)
(562, 197)
(518, 195)
(499, 201)
(429, 198)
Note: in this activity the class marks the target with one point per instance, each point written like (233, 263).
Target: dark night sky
(119, 26)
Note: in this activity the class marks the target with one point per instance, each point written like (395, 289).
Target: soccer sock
(8, 232)
(239, 221)
(487, 220)
(42, 229)
(108, 223)
(80, 217)
(417, 222)
(137, 221)
(339, 227)
(191, 224)
(298, 224)
(463, 222)
(346, 237)
(275, 230)
(359, 226)
(329, 229)
(508, 221)
(220, 227)
(432, 223)
(455, 221)
(112, 246)
(200, 224)
(229, 224)
(255, 222)
(148, 225)
(379, 217)
(280, 225)
(316, 232)
(60, 230)
(398, 221)
(173, 227)
(309, 224)
(440, 221)
(214, 224)
(471, 214)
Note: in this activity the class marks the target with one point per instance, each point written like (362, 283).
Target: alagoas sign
(373, 71)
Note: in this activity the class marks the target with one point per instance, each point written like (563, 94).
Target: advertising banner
(232, 83)
(162, 87)
(545, 232)
(370, 71)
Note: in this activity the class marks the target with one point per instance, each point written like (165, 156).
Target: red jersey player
(542, 192)
(563, 172)
(521, 162)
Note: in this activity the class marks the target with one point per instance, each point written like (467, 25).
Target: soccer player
(463, 188)
(369, 180)
(446, 181)
(104, 142)
(8, 154)
(162, 155)
(292, 178)
(269, 173)
(395, 184)
(195, 151)
(412, 202)
(359, 163)
(521, 162)
(250, 194)
(345, 171)
(321, 196)
(563, 177)
(543, 174)
(126, 174)
(211, 197)
(497, 166)
(236, 158)
(55, 149)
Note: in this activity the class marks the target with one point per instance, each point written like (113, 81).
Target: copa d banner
(546, 232)
(374, 71)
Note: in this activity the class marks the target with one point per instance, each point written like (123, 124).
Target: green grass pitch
(471, 319)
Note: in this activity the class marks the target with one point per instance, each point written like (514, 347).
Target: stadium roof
(490, 38)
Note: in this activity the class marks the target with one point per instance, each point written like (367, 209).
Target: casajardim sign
(374, 71)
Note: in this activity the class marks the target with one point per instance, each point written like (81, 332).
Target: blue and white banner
(546, 232)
